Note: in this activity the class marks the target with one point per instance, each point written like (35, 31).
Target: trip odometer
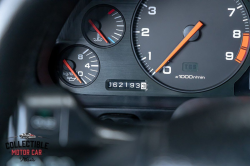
(191, 46)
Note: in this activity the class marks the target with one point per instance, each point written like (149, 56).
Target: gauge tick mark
(111, 40)
(111, 11)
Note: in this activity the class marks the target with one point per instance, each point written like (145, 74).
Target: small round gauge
(79, 66)
(103, 26)
(191, 46)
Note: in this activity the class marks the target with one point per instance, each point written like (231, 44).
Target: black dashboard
(174, 75)
(121, 78)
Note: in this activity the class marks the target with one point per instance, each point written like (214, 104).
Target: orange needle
(97, 30)
(182, 43)
(71, 70)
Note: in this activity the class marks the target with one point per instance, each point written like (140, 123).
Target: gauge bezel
(84, 21)
(167, 86)
(59, 66)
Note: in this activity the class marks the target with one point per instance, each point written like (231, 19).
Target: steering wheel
(201, 132)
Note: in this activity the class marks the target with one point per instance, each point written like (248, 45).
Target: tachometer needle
(97, 30)
(182, 43)
(71, 70)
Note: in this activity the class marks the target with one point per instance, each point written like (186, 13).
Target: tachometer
(191, 46)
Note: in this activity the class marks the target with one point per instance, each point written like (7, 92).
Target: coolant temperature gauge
(79, 66)
(103, 26)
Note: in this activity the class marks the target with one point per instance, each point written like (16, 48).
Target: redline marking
(243, 49)
(111, 11)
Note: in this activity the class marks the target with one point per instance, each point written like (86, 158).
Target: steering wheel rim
(32, 27)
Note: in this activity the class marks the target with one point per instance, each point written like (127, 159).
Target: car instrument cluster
(155, 48)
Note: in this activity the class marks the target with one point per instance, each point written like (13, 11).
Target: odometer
(191, 46)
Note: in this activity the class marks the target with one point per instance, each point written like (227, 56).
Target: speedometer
(191, 46)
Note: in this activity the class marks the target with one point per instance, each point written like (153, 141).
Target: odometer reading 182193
(191, 46)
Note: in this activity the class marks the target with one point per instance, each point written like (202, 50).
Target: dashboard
(152, 48)
(130, 62)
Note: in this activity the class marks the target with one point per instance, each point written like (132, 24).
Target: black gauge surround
(110, 23)
(210, 58)
(84, 62)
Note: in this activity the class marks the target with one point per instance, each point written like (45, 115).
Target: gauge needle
(97, 30)
(71, 70)
(182, 43)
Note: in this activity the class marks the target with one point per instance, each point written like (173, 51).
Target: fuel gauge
(103, 26)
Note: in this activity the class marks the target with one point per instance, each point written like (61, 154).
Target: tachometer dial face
(103, 26)
(191, 46)
(78, 66)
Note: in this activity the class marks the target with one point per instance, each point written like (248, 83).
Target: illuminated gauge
(79, 66)
(103, 26)
(191, 46)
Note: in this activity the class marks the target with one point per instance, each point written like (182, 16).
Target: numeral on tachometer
(167, 70)
(149, 56)
(229, 56)
(145, 32)
(152, 10)
(237, 34)
(233, 10)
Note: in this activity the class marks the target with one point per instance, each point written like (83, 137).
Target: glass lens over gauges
(78, 66)
(191, 46)
(103, 26)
